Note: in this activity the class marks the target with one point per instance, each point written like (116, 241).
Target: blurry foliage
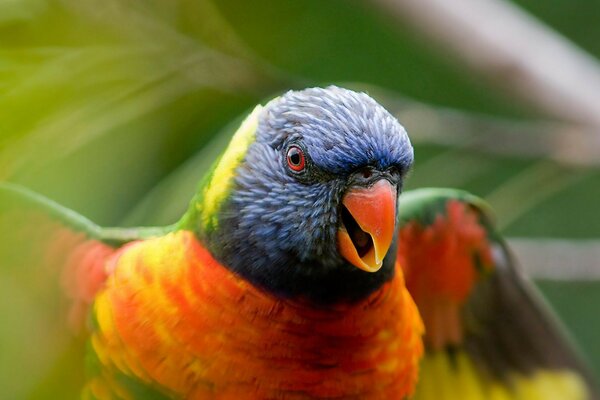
(114, 108)
(131, 90)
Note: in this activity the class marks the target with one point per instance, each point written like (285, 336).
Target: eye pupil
(295, 158)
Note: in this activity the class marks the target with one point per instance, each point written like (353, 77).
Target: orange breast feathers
(441, 263)
(173, 318)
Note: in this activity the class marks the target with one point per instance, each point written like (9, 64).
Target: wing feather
(511, 345)
(52, 263)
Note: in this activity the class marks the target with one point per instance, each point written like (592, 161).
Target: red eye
(295, 158)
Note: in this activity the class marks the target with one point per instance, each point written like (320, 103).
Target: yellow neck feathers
(221, 181)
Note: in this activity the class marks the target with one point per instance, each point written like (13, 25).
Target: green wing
(52, 262)
(489, 332)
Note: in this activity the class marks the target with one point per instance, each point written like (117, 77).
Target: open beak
(368, 223)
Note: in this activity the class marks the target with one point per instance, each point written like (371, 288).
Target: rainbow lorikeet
(293, 275)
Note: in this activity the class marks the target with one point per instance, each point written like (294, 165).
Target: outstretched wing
(489, 335)
(52, 263)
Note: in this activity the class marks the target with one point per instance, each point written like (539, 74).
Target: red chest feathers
(173, 316)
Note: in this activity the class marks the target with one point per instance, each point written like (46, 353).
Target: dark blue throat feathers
(277, 225)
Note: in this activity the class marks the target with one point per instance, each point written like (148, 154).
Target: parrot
(299, 271)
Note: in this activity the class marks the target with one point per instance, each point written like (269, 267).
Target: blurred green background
(116, 108)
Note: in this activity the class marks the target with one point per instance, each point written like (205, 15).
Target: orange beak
(368, 223)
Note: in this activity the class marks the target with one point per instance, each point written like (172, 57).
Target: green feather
(424, 204)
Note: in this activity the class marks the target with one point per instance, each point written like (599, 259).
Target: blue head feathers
(341, 129)
(278, 226)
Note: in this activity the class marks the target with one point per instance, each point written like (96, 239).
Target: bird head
(303, 201)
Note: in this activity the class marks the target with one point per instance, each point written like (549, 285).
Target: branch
(511, 47)
(558, 259)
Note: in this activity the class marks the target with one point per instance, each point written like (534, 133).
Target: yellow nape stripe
(222, 179)
(443, 379)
